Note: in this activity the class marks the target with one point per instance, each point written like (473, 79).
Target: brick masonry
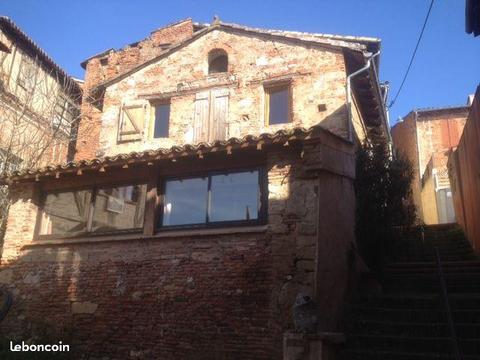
(424, 134)
(318, 78)
(203, 296)
(198, 296)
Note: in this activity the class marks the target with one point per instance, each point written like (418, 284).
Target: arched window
(217, 61)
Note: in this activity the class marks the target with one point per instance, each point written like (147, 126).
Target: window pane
(185, 201)
(65, 213)
(119, 208)
(278, 106)
(235, 196)
(162, 116)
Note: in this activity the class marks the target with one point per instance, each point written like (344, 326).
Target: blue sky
(446, 69)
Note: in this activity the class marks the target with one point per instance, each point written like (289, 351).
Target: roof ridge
(323, 35)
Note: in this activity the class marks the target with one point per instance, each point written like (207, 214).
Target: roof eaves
(280, 137)
(442, 108)
(44, 57)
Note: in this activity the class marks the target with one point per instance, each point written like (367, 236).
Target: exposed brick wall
(438, 132)
(192, 297)
(424, 135)
(318, 78)
(102, 68)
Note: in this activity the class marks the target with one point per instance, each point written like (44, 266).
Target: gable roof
(27, 43)
(359, 44)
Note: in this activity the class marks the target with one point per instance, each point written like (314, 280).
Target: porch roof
(281, 137)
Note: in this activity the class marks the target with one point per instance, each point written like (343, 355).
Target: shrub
(384, 200)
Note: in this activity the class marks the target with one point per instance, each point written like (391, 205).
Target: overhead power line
(413, 55)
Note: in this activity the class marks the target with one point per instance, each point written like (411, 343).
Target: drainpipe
(349, 95)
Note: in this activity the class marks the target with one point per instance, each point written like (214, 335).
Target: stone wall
(317, 78)
(226, 294)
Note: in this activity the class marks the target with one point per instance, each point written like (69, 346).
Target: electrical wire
(413, 55)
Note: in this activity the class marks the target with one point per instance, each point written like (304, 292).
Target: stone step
(359, 313)
(433, 264)
(430, 283)
(435, 315)
(367, 354)
(416, 301)
(399, 328)
(413, 344)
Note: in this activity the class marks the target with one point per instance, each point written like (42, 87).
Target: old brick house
(216, 184)
(425, 137)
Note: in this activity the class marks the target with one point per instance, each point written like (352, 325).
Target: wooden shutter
(131, 123)
(219, 114)
(201, 120)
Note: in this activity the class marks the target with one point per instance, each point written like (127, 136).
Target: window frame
(153, 107)
(276, 86)
(93, 189)
(262, 211)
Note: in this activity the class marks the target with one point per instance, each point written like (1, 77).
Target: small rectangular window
(103, 210)
(217, 198)
(278, 104)
(161, 121)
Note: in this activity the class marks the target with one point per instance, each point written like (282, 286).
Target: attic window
(217, 61)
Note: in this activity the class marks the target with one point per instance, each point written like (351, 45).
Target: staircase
(408, 320)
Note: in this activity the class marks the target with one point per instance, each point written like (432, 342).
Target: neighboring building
(472, 17)
(425, 137)
(216, 186)
(464, 171)
(39, 103)
(39, 107)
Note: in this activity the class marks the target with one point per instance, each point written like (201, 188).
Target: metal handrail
(446, 303)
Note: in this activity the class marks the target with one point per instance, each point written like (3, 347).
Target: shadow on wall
(197, 297)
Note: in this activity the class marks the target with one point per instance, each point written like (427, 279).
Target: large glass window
(101, 210)
(185, 201)
(66, 213)
(119, 208)
(215, 198)
(235, 196)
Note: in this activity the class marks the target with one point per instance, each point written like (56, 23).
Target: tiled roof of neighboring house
(442, 108)
(281, 137)
(430, 110)
(336, 41)
(9, 26)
